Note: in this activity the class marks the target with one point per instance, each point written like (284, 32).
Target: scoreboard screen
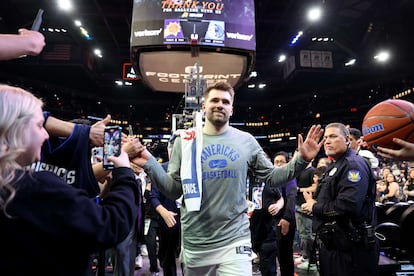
(225, 23)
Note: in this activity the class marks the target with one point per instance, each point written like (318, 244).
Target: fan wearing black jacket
(46, 225)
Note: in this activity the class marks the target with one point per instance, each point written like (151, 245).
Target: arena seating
(395, 230)
(394, 212)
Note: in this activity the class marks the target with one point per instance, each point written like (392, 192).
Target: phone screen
(112, 145)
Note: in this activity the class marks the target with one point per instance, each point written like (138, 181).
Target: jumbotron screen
(225, 23)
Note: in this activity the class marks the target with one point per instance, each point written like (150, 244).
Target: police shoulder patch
(354, 175)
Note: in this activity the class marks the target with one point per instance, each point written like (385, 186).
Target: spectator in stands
(380, 190)
(409, 185)
(392, 189)
(384, 172)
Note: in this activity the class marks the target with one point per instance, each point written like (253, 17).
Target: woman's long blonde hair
(17, 108)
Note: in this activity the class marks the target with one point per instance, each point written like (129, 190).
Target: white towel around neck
(191, 174)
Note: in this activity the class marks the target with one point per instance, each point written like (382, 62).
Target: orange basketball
(387, 120)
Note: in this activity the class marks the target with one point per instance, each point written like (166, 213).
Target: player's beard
(217, 120)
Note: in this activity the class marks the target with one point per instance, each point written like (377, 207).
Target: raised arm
(58, 128)
(96, 135)
(309, 148)
(17, 45)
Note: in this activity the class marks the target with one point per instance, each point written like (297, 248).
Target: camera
(112, 145)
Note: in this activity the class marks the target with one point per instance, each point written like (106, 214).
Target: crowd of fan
(395, 181)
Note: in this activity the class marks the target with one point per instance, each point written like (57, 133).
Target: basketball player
(216, 239)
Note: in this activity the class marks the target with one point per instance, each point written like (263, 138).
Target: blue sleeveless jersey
(70, 158)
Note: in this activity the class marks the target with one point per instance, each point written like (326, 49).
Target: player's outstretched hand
(132, 146)
(143, 154)
(309, 148)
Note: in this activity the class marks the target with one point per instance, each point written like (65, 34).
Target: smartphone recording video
(112, 145)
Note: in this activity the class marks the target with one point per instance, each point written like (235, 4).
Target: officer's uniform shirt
(342, 192)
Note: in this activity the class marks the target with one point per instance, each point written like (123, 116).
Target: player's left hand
(309, 148)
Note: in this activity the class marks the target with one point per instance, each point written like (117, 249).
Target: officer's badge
(333, 171)
(354, 175)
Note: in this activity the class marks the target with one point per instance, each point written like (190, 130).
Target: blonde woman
(47, 226)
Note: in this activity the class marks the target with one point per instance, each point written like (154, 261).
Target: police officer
(343, 212)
